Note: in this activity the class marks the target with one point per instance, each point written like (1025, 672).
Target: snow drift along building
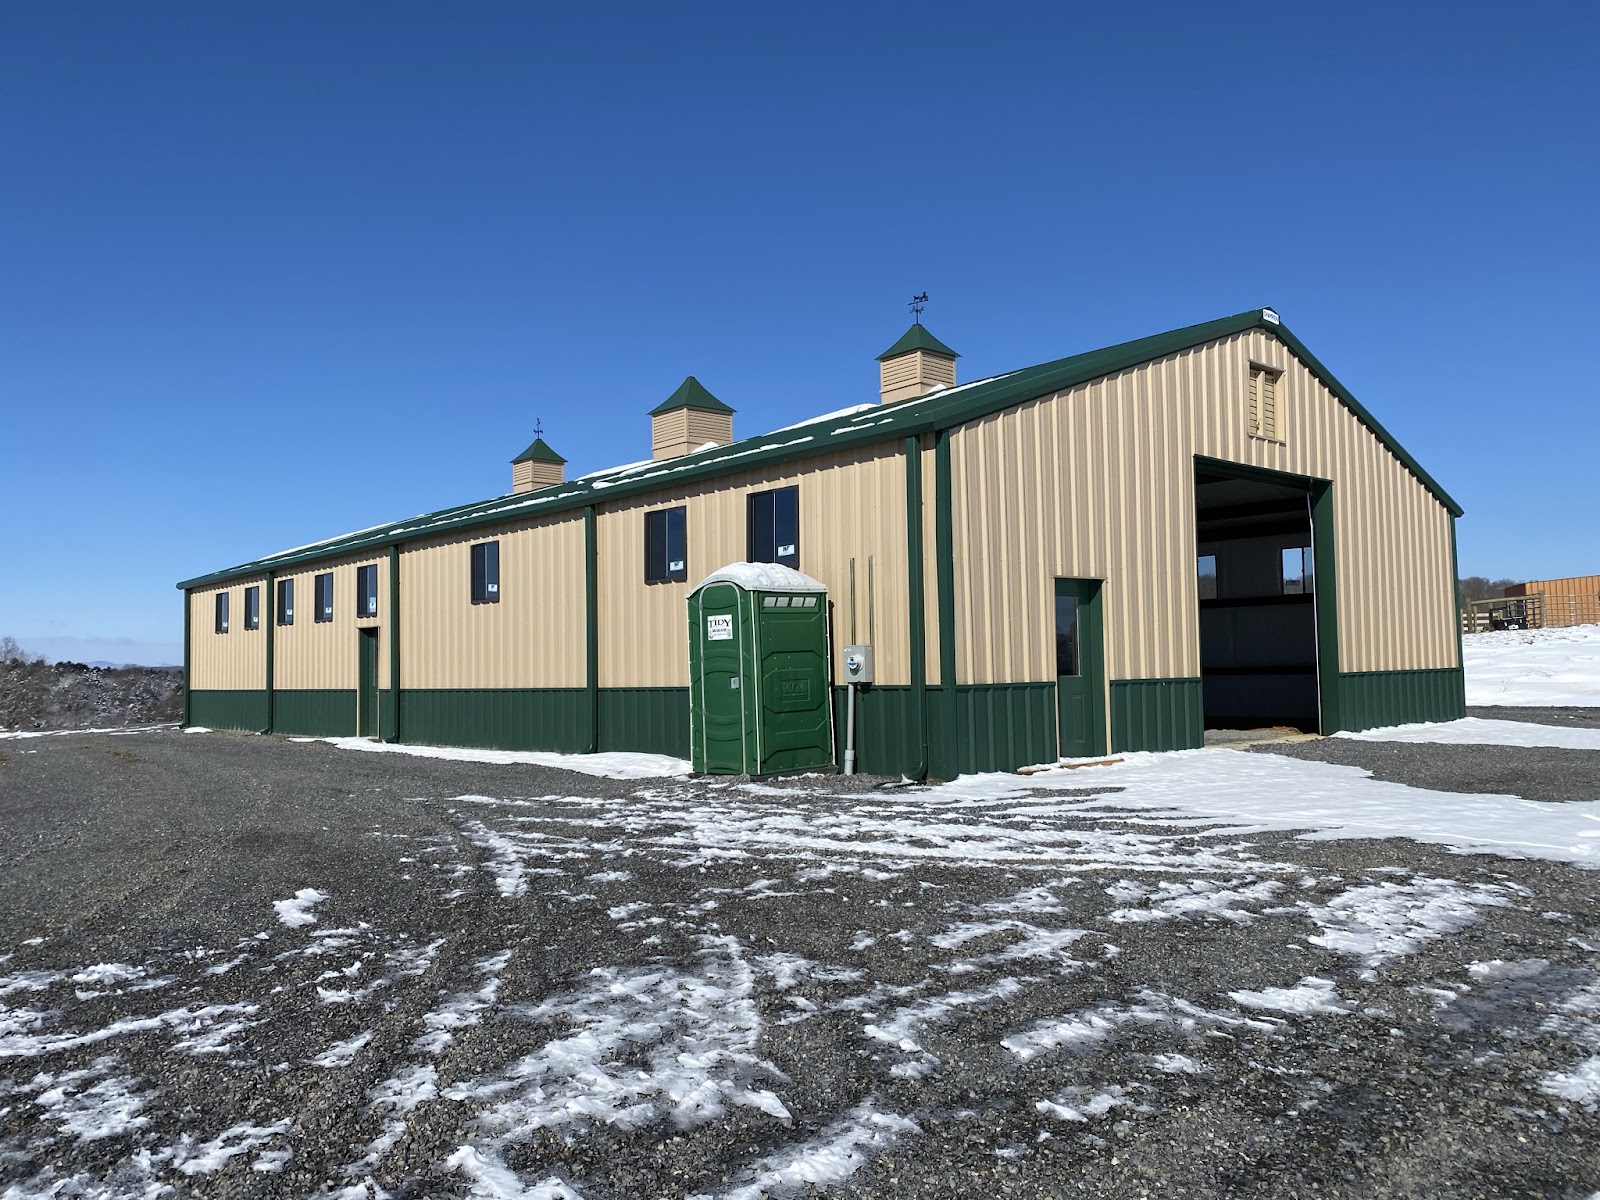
(1108, 552)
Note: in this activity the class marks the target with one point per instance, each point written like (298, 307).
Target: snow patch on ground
(297, 911)
(607, 765)
(1390, 920)
(1542, 668)
(1311, 996)
(1481, 731)
(838, 1153)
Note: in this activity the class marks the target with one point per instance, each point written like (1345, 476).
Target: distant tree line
(1477, 587)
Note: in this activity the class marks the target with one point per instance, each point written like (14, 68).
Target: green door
(796, 711)
(1080, 674)
(367, 686)
(720, 635)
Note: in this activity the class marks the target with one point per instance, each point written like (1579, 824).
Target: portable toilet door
(759, 670)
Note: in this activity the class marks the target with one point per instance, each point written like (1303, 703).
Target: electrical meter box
(858, 664)
(759, 667)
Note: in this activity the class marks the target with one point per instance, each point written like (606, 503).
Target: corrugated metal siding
(232, 661)
(650, 720)
(930, 577)
(1372, 699)
(243, 709)
(1097, 482)
(501, 719)
(1156, 714)
(851, 505)
(534, 636)
(320, 655)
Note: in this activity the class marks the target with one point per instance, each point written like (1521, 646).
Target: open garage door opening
(1258, 621)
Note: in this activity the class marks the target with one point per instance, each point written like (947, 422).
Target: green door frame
(368, 719)
(1324, 573)
(1090, 687)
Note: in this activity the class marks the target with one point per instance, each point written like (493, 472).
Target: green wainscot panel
(1156, 714)
(888, 731)
(497, 718)
(645, 720)
(1373, 699)
(1003, 726)
(314, 712)
(230, 709)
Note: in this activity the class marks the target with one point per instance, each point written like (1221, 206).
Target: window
(1297, 571)
(1067, 661)
(775, 527)
(322, 598)
(486, 573)
(665, 555)
(222, 612)
(1208, 577)
(367, 590)
(252, 607)
(1264, 402)
(285, 602)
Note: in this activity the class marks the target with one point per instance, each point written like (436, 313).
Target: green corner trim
(1373, 699)
(392, 704)
(917, 338)
(591, 625)
(1325, 587)
(1157, 714)
(1455, 611)
(188, 639)
(691, 393)
(916, 619)
(942, 755)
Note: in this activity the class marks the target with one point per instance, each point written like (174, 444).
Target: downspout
(188, 701)
(945, 568)
(394, 642)
(272, 619)
(918, 631)
(591, 606)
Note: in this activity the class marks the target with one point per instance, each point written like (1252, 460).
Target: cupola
(537, 467)
(687, 420)
(915, 365)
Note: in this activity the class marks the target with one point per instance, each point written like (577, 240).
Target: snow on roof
(762, 577)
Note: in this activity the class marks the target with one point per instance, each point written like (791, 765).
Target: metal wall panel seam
(188, 629)
(271, 607)
(945, 564)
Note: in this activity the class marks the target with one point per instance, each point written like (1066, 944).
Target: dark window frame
(767, 523)
(485, 572)
(367, 591)
(1201, 575)
(252, 606)
(283, 614)
(322, 597)
(662, 528)
(222, 612)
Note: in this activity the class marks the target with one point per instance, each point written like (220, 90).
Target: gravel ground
(674, 988)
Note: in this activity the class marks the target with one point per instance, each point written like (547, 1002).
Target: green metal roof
(943, 409)
(691, 393)
(917, 338)
(539, 452)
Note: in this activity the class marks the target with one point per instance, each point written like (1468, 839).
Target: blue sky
(272, 273)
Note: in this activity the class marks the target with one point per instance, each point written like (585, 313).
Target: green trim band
(1157, 714)
(1374, 699)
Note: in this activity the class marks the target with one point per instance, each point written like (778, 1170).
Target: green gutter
(929, 414)
(394, 641)
(945, 569)
(187, 638)
(918, 631)
(271, 587)
(591, 621)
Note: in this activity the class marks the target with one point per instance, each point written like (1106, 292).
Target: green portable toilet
(758, 671)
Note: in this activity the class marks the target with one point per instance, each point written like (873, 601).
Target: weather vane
(538, 427)
(918, 303)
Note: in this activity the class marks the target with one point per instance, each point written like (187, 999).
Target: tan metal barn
(1109, 552)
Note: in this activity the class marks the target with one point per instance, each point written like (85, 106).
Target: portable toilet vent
(759, 661)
